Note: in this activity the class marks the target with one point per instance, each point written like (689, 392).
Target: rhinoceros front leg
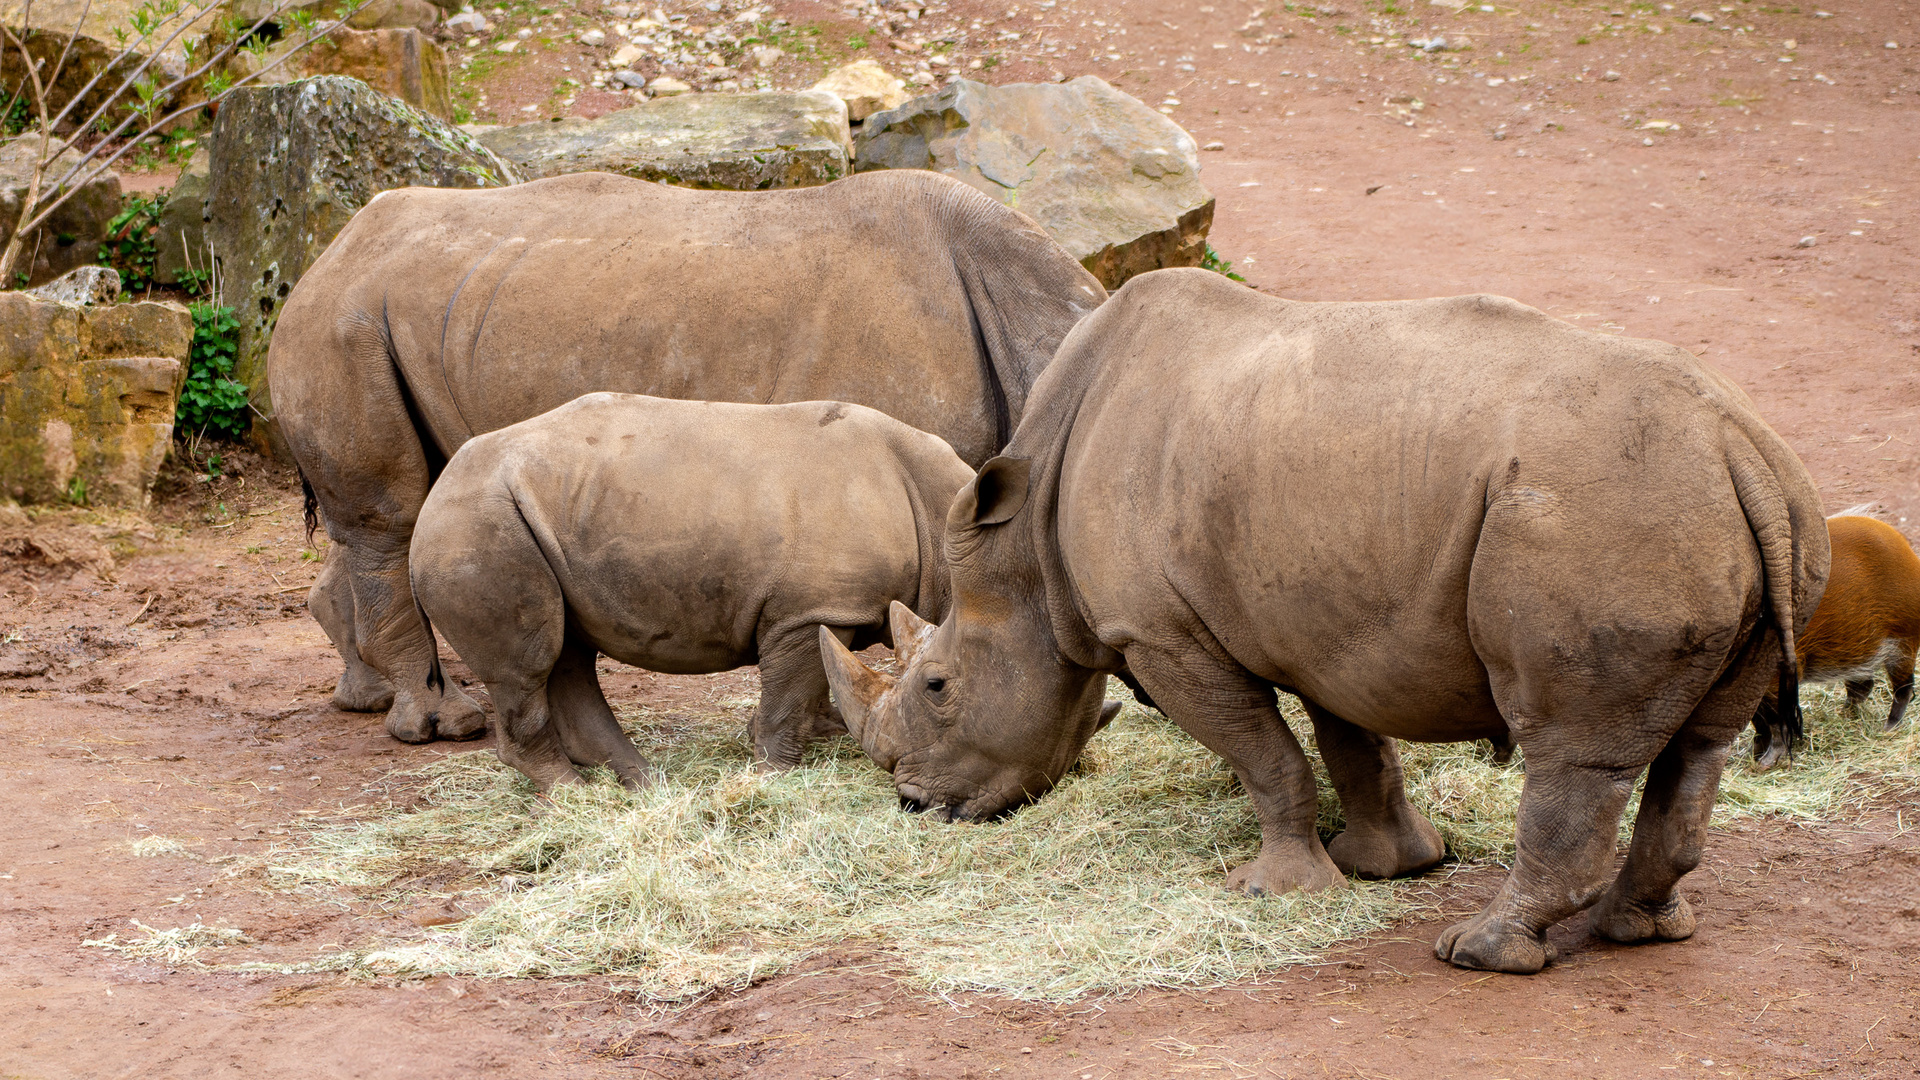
(795, 708)
(1385, 836)
(578, 710)
(394, 641)
(330, 601)
(1234, 714)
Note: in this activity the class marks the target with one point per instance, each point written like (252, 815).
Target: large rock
(866, 87)
(87, 397)
(1116, 183)
(73, 235)
(100, 25)
(742, 142)
(180, 243)
(401, 62)
(289, 165)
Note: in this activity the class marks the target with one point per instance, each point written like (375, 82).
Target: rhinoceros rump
(1431, 520)
(677, 536)
(438, 315)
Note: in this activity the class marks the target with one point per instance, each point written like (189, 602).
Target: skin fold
(440, 315)
(1436, 520)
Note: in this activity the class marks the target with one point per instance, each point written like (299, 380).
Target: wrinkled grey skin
(1434, 520)
(678, 536)
(438, 315)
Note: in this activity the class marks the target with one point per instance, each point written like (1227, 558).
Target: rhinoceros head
(985, 714)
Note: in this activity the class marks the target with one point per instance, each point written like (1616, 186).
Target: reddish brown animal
(1868, 619)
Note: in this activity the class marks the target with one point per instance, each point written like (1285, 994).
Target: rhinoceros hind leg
(578, 710)
(795, 707)
(330, 601)
(1233, 713)
(527, 738)
(1670, 833)
(1385, 836)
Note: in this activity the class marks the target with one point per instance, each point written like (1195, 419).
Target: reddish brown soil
(169, 689)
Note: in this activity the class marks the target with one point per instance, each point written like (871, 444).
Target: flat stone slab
(1115, 183)
(738, 142)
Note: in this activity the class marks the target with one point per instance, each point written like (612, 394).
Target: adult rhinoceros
(1433, 520)
(438, 315)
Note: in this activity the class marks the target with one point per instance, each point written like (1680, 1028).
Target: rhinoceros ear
(910, 632)
(995, 494)
(856, 688)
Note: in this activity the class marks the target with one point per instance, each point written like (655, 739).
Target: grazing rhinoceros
(1431, 520)
(677, 536)
(438, 315)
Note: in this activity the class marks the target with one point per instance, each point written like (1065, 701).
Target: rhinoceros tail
(1765, 505)
(436, 678)
(309, 507)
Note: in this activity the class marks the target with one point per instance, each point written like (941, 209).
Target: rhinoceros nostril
(912, 806)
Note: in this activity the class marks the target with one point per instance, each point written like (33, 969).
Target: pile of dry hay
(1112, 883)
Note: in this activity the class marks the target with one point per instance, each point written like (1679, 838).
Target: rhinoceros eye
(935, 684)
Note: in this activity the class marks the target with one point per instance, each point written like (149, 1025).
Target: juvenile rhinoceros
(677, 536)
(439, 315)
(1433, 520)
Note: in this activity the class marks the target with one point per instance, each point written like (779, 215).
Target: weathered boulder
(72, 236)
(866, 87)
(180, 242)
(1116, 183)
(87, 397)
(401, 62)
(741, 142)
(84, 285)
(289, 165)
(99, 25)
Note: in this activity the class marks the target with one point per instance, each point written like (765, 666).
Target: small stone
(1893, 44)
(922, 78)
(595, 38)
(866, 87)
(627, 55)
(469, 22)
(765, 56)
(667, 86)
(633, 80)
(506, 46)
(1611, 76)
(1700, 17)
(473, 43)
(1805, 241)
(1646, 142)
(523, 33)
(1215, 146)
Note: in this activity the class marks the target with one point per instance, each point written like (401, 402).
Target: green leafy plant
(1212, 261)
(131, 241)
(213, 401)
(77, 491)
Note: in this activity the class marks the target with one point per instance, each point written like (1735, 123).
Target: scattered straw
(176, 946)
(148, 847)
(715, 874)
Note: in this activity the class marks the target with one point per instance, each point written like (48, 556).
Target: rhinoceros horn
(910, 632)
(858, 690)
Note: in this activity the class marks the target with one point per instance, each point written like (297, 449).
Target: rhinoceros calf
(1433, 520)
(677, 536)
(439, 315)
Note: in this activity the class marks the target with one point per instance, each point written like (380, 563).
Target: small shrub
(1218, 265)
(131, 241)
(213, 401)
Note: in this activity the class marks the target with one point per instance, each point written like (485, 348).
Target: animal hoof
(1771, 758)
(1629, 923)
(362, 689)
(1273, 873)
(459, 717)
(454, 716)
(1483, 946)
(1413, 847)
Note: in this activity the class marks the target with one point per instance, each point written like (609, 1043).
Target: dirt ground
(159, 676)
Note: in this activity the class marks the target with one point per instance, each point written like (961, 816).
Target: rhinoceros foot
(362, 689)
(1618, 919)
(1375, 852)
(1486, 945)
(453, 715)
(1282, 870)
